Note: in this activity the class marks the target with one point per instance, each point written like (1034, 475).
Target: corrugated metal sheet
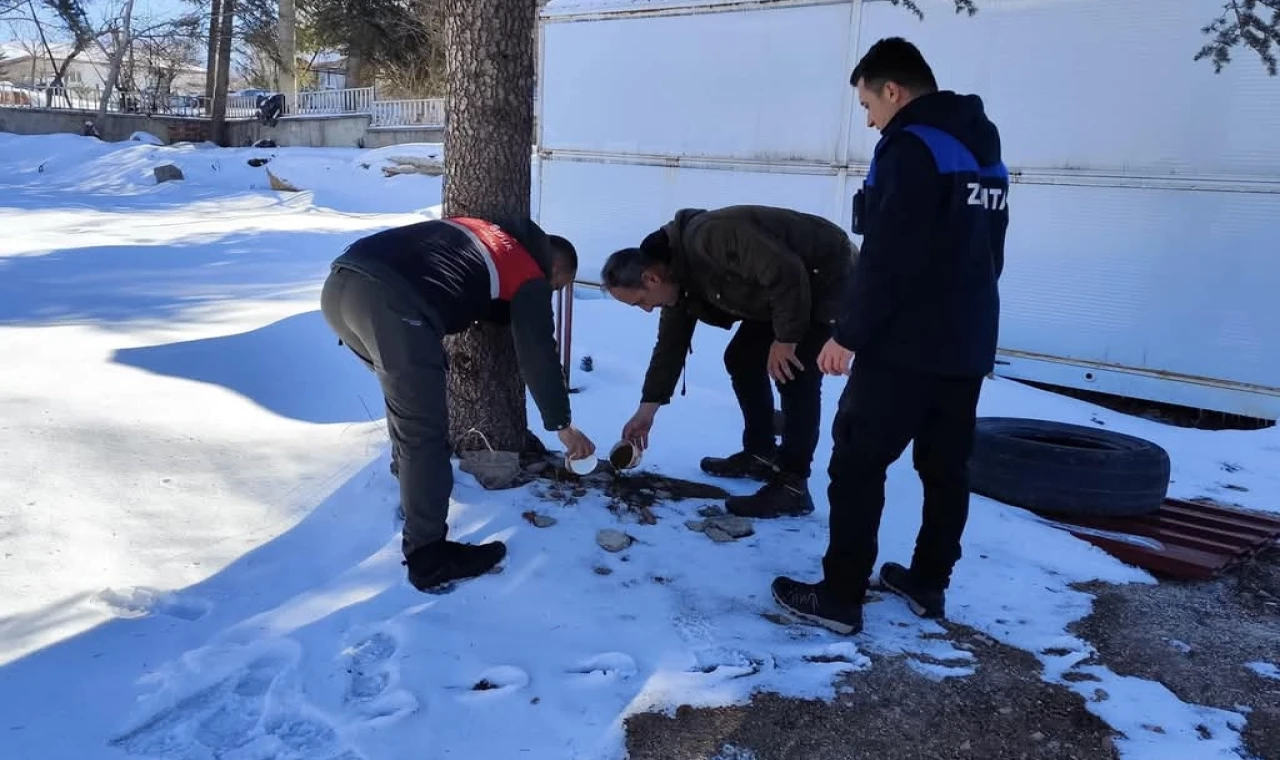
(1191, 540)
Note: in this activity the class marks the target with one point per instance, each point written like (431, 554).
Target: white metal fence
(421, 112)
(90, 98)
(356, 100)
(404, 113)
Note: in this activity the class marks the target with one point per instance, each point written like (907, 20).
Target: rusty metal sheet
(1183, 539)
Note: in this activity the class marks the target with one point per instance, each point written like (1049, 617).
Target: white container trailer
(1143, 256)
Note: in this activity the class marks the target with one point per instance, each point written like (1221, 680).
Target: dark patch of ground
(628, 492)
(1195, 638)
(891, 712)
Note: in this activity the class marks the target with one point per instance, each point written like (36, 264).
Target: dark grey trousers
(406, 351)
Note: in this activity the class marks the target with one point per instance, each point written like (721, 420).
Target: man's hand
(834, 359)
(637, 428)
(782, 357)
(576, 445)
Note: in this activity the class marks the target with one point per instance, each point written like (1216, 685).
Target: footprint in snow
(729, 664)
(248, 715)
(495, 682)
(719, 665)
(138, 601)
(608, 666)
(839, 652)
(373, 692)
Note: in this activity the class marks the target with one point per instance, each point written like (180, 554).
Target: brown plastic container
(625, 455)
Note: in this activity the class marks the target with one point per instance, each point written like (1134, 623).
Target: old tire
(1069, 470)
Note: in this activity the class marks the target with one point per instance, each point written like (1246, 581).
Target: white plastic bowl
(584, 466)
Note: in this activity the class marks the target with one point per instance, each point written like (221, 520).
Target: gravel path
(1196, 638)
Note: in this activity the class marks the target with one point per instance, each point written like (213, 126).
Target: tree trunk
(211, 68)
(222, 78)
(489, 65)
(58, 71)
(123, 41)
(288, 55)
(355, 71)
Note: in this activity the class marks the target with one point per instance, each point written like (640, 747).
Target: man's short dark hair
(893, 59)
(625, 268)
(562, 249)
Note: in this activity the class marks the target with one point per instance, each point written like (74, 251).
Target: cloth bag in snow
(494, 470)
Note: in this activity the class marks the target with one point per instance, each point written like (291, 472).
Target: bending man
(392, 297)
(781, 273)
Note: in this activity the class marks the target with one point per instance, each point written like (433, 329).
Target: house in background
(325, 71)
(27, 64)
(167, 78)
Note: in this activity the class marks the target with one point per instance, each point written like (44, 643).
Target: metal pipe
(560, 322)
(567, 331)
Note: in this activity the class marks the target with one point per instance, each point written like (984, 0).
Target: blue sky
(144, 10)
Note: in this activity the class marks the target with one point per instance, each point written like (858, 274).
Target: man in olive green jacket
(782, 274)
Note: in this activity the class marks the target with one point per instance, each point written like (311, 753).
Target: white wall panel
(1096, 84)
(556, 8)
(731, 84)
(1169, 294)
(603, 207)
(1167, 280)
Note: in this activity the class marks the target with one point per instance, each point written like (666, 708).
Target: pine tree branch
(1254, 24)
(1243, 22)
(968, 7)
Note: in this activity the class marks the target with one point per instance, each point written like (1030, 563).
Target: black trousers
(881, 410)
(746, 359)
(406, 351)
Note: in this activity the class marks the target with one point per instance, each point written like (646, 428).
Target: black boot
(785, 495)
(924, 601)
(814, 603)
(436, 565)
(744, 464)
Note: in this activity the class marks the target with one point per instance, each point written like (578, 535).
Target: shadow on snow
(129, 283)
(293, 367)
(89, 681)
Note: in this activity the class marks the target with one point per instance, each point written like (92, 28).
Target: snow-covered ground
(198, 548)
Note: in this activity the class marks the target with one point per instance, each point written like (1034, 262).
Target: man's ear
(561, 275)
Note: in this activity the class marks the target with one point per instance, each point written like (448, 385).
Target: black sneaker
(813, 603)
(744, 464)
(434, 567)
(783, 496)
(925, 602)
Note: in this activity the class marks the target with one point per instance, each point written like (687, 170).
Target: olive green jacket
(756, 263)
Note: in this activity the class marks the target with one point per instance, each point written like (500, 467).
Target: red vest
(510, 265)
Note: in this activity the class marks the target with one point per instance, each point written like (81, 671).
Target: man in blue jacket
(920, 327)
(391, 298)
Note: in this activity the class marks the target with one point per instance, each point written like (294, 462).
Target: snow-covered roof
(325, 58)
(11, 52)
(14, 51)
(555, 8)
